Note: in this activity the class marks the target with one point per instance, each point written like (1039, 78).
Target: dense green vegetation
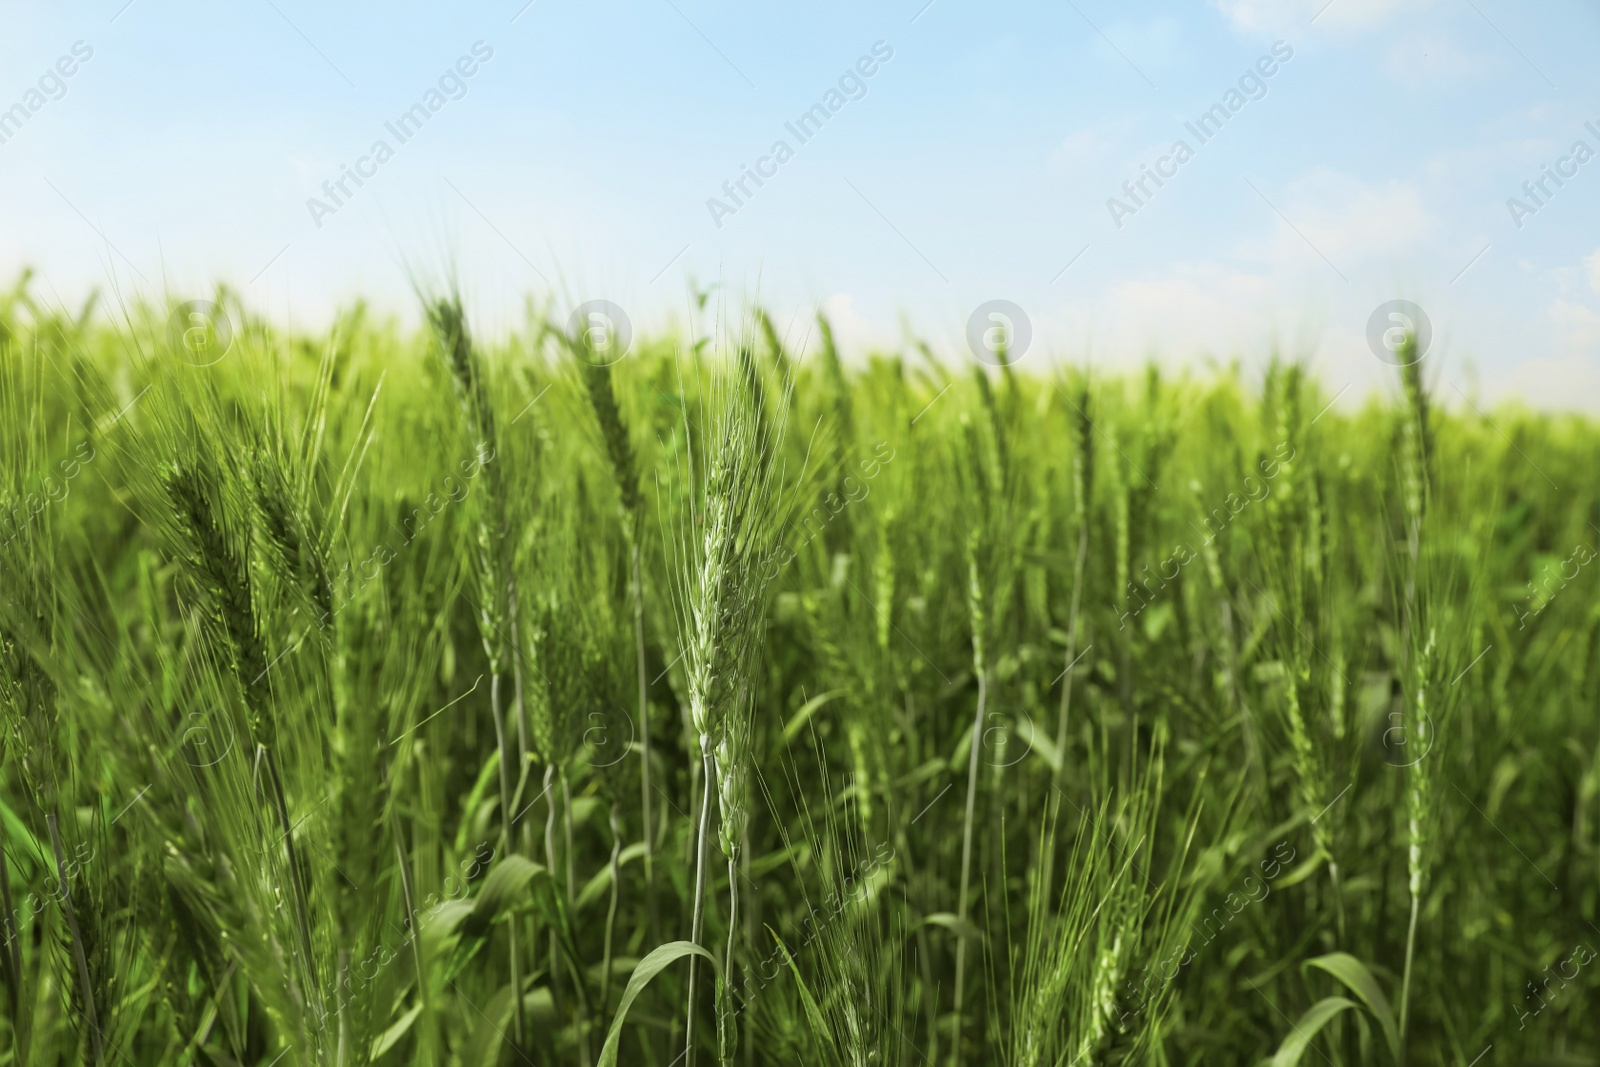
(371, 697)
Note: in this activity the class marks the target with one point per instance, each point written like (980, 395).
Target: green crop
(390, 697)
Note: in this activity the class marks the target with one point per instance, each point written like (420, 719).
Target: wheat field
(415, 697)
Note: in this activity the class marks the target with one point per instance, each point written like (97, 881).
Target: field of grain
(395, 697)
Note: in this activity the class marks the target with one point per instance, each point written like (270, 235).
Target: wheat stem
(518, 1023)
(1059, 772)
(556, 995)
(342, 1053)
(572, 897)
(636, 589)
(724, 1015)
(701, 833)
(611, 910)
(1415, 457)
(966, 858)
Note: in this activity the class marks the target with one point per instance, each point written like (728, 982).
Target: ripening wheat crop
(442, 698)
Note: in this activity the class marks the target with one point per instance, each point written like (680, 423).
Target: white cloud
(1592, 262)
(1192, 313)
(1568, 378)
(1577, 326)
(1088, 147)
(1281, 16)
(1188, 310)
(1348, 221)
(854, 332)
(1569, 382)
(1457, 163)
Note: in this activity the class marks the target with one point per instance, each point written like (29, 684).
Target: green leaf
(480, 789)
(931, 769)
(958, 759)
(1300, 873)
(761, 866)
(1354, 974)
(440, 924)
(648, 968)
(597, 886)
(808, 709)
(387, 1039)
(506, 882)
(814, 1016)
(949, 921)
(1040, 743)
(490, 1026)
(583, 809)
(14, 828)
(1315, 1018)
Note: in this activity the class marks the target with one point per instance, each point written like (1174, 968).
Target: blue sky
(975, 163)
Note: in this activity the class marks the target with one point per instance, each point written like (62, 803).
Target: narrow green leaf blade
(389, 1037)
(505, 882)
(797, 722)
(819, 1023)
(652, 965)
(1315, 1018)
(1355, 975)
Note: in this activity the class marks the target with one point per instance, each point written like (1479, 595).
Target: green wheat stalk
(734, 521)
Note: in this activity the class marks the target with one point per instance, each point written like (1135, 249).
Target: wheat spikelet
(1415, 456)
(1308, 770)
(977, 606)
(599, 385)
(780, 359)
(1082, 437)
(978, 616)
(1419, 794)
(722, 606)
(1123, 514)
(219, 568)
(731, 754)
(498, 615)
(883, 579)
(597, 380)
